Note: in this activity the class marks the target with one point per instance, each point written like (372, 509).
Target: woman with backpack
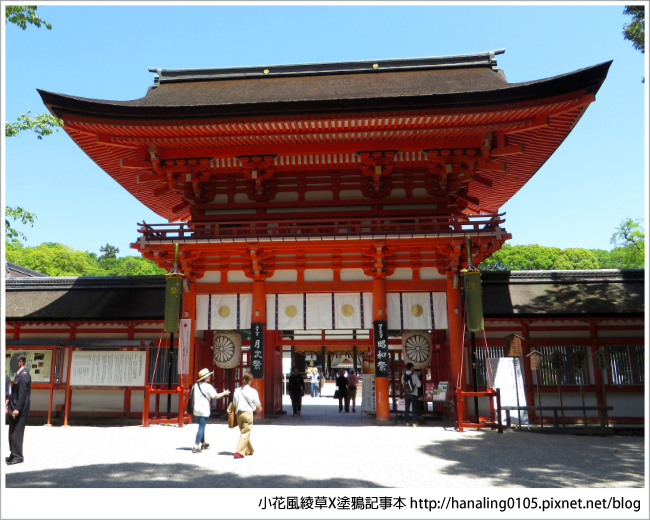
(411, 383)
(202, 393)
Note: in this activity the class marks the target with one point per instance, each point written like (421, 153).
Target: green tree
(576, 258)
(54, 260)
(17, 214)
(109, 251)
(133, 266)
(629, 240)
(21, 15)
(60, 260)
(519, 258)
(634, 31)
(41, 124)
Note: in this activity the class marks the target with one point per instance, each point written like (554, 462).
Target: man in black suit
(18, 409)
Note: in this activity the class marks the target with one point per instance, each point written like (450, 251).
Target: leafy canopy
(17, 214)
(635, 30)
(21, 15)
(56, 259)
(42, 124)
(628, 253)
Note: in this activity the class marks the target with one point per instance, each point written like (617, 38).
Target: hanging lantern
(416, 348)
(473, 300)
(173, 290)
(226, 348)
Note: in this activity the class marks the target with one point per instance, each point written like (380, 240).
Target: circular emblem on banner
(291, 311)
(347, 310)
(226, 348)
(417, 310)
(224, 311)
(416, 347)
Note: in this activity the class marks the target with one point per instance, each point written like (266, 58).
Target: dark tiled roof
(515, 294)
(18, 271)
(446, 83)
(616, 293)
(88, 298)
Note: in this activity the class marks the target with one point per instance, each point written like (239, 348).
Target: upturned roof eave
(587, 80)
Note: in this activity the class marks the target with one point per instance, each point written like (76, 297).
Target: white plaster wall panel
(401, 273)
(84, 336)
(210, 277)
(551, 334)
(319, 275)
(622, 333)
(431, 273)
(353, 275)
(237, 277)
(319, 195)
(283, 275)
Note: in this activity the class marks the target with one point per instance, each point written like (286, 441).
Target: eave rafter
(500, 150)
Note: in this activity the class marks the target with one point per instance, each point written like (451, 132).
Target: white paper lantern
(416, 348)
(226, 348)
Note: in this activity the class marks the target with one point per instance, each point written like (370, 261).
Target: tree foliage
(41, 124)
(629, 242)
(56, 259)
(21, 15)
(17, 214)
(628, 253)
(634, 31)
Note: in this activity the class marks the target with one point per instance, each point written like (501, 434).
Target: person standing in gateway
(411, 396)
(353, 381)
(202, 393)
(296, 390)
(18, 410)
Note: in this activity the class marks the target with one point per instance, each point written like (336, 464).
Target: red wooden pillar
(382, 399)
(259, 316)
(456, 338)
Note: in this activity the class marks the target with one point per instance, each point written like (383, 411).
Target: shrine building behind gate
(328, 207)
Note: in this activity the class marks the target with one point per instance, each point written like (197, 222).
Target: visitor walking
(202, 393)
(246, 401)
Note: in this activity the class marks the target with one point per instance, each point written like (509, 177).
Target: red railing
(323, 227)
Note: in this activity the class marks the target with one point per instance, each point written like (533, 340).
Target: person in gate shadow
(342, 389)
(296, 390)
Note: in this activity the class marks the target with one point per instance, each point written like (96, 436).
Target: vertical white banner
(185, 335)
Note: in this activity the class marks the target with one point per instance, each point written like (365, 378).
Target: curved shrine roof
(298, 114)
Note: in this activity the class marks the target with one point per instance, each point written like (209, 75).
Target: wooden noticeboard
(112, 368)
(509, 378)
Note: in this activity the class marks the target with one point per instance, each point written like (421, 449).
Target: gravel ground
(350, 450)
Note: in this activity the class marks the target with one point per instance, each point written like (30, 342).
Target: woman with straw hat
(202, 393)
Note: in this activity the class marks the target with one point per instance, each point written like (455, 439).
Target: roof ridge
(335, 67)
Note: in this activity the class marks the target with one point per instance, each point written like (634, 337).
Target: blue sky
(594, 181)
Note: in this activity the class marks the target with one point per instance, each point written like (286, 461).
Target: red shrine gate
(353, 183)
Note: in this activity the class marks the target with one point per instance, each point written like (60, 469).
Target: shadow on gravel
(554, 461)
(139, 475)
